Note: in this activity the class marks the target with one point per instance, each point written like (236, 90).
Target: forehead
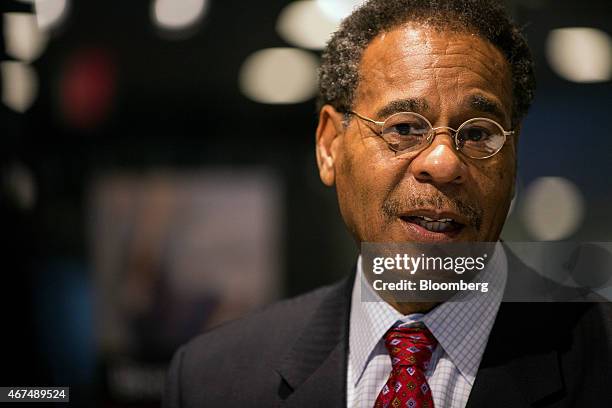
(443, 69)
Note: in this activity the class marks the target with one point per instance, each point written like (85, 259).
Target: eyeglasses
(478, 138)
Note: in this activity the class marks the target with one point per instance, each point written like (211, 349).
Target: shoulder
(274, 324)
(244, 353)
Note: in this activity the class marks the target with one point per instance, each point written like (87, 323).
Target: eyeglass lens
(477, 138)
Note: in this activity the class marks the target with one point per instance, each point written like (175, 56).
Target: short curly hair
(339, 71)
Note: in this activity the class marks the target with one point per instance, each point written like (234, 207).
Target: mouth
(433, 226)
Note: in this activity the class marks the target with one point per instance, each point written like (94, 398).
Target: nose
(439, 163)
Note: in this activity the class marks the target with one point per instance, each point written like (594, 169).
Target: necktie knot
(410, 346)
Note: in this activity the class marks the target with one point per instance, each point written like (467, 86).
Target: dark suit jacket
(294, 354)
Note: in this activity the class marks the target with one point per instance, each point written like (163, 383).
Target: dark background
(176, 104)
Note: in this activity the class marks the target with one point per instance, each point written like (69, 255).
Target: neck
(408, 308)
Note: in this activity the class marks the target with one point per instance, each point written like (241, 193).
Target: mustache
(393, 207)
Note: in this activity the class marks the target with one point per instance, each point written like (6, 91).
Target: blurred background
(158, 173)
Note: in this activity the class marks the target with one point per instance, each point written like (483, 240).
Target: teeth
(434, 225)
(432, 220)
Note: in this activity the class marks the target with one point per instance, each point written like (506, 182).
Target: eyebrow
(483, 104)
(477, 102)
(403, 105)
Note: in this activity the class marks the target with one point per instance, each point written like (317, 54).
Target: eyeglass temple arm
(367, 119)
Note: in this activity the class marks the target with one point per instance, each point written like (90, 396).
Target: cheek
(366, 176)
(494, 181)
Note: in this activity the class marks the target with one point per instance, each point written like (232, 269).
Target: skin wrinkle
(450, 57)
(504, 119)
(379, 185)
(489, 67)
(339, 74)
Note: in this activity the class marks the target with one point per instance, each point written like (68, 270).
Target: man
(402, 84)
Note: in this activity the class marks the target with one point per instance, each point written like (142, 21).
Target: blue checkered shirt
(461, 326)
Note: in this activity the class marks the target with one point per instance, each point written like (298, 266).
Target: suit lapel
(520, 366)
(314, 369)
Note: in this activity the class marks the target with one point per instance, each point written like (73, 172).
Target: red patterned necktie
(410, 350)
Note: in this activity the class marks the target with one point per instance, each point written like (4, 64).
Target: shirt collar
(461, 325)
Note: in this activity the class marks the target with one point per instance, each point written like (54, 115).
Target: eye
(404, 129)
(480, 138)
(474, 134)
(407, 128)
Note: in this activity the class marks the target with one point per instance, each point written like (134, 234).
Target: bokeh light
(338, 9)
(19, 182)
(177, 14)
(50, 14)
(279, 76)
(24, 40)
(580, 54)
(304, 24)
(553, 208)
(87, 88)
(19, 85)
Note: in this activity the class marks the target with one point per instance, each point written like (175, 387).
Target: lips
(431, 225)
(435, 225)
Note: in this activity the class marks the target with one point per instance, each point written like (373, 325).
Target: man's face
(448, 77)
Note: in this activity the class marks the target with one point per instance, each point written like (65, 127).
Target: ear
(329, 129)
